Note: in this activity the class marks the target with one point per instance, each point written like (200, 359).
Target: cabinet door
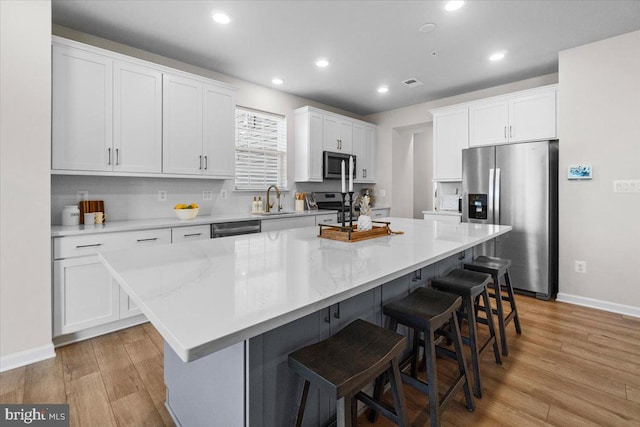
(274, 389)
(450, 137)
(82, 114)
(364, 148)
(345, 129)
(533, 117)
(331, 134)
(308, 152)
(219, 147)
(489, 123)
(84, 295)
(137, 121)
(182, 125)
(315, 147)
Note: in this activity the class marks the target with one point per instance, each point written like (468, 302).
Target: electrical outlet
(223, 194)
(207, 195)
(381, 193)
(82, 195)
(162, 196)
(581, 267)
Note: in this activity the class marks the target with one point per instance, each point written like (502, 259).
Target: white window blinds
(261, 150)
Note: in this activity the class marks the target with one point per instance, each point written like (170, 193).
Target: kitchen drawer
(188, 234)
(75, 246)
(327, 219)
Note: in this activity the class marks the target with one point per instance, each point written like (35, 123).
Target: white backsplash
(128, 198)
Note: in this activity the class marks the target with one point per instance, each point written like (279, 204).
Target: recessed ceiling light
(497, 56)
(453, 5)
(221, 18)
(383, 89)
(277, 81)
(427, 28)
(322, 62)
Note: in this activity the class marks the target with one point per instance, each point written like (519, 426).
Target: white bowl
(186, 213)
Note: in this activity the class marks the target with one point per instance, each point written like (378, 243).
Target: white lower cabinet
(190, 233)
(84, 295)
(327, 219)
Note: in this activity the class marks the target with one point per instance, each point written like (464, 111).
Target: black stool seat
(349, 360)
(489, 265)
(497, 268)
(424, 308)
(431, 313)
(472, 285)
(463, 282)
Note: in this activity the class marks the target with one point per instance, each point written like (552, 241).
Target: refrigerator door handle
(496, 205)
(490, 201)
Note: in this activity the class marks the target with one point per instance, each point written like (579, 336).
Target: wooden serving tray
(351, 233)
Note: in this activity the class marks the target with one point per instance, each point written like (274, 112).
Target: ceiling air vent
(412, 82)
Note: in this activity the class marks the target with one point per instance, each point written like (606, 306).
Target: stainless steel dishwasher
(224, 229)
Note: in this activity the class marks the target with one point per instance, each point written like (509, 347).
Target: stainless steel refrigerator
(517, 185)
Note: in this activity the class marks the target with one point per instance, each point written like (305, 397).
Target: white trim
(599, 304)
(27, 357)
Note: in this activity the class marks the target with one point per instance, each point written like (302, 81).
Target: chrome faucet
(270, 205)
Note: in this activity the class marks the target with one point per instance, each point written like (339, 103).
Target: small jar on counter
(70, 215)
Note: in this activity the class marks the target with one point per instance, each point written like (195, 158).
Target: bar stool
(346, 362)
(430, 312)
(471, 285)
(497, 268)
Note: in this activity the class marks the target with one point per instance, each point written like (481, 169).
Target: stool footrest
(380, 407)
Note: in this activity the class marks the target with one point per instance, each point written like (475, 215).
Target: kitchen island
(231, 309)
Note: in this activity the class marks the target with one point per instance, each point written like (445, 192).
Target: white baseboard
(26, 357)
(599, 304)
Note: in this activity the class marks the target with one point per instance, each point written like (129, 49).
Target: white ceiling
(369, 43)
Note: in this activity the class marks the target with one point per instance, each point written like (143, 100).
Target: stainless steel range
(333, 201)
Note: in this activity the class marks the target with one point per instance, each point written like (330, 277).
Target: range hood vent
(412, 82)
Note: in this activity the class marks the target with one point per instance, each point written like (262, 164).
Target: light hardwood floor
(572, 366)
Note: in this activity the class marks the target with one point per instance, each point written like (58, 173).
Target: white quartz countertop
(147, 224)
(206, 295)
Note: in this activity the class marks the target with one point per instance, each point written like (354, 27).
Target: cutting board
(88, 206)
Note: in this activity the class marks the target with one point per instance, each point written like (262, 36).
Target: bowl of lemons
(186, 211)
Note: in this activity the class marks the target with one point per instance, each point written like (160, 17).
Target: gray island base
(231, 310)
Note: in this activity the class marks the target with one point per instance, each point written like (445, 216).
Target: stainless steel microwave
(332, 165)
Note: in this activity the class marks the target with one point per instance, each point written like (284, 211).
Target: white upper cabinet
(364, 148)
(450, 137)
(317, 131)
(519, 117)
(182, 125)
(219, 147)
(113, 114)
(82, 110)
(308, 152)
(137, 120)
(198, 129)
(337, 134)
(533, 117)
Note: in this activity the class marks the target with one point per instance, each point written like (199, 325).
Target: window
(261, 150)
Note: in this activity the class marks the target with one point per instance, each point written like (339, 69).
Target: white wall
(422, 171)
(135, 198)
(390, 121)
(599, 125)
(25, 145)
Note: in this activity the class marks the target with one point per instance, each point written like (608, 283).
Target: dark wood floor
(572, 366)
